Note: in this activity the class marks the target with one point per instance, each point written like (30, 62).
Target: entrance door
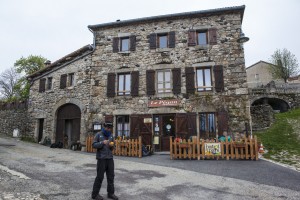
(68, 124)
(41, 127)
(164, 127)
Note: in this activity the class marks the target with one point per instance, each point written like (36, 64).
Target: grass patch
(282, 139)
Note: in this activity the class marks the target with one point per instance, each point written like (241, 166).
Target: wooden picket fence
(195, 149)
(126, 147)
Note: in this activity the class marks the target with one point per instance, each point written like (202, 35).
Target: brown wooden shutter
(115, 44)
(63, 81)
(176, 72)
(152, 40)
(132, 39)
(222, 122)
(109, 118)
(172, 39)
(139, 128)
(111, 78)
(150, 82)
(42, 85)
(191, 124)
(190, 80)
(212, 33)
(192, 38)
(219, 79)
(135, 83)
(181, 125)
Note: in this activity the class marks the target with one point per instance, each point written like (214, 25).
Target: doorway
(164, 127)
(41, 128)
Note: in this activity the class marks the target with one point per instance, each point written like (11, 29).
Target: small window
(204, 82)
(163, 41)
(202, 37)
(49, 83)
(164, 81)
(123, 128)
(71, 79)
(125, 44)
(124, 85)
(207, 125)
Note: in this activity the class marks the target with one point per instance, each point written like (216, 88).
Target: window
(256, 76)
(123, 128)
(42, 85)
(204, 82)
(124, 85)
(163, 41)
(49, 83)
(207, 125)
(125, 44)
(164, 81)
(202, 38)
(71, 79)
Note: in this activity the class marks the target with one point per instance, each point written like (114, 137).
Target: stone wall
(14, 119)
(227, 52)
(262, 116)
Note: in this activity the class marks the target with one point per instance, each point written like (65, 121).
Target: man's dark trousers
(104, 165)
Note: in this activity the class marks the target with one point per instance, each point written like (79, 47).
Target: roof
(200, 13)
(261, 61)
(68, 58)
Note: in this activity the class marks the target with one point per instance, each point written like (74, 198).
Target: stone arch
(61, 103)
(275, 102)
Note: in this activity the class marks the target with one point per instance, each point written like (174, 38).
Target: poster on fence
(212, 149)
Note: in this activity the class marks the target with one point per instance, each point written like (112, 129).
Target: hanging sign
(163, 103)
(212, 149)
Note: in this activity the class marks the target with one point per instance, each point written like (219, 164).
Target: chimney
(47, 63)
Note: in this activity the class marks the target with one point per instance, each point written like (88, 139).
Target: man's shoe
(98, 197)
(112, 196)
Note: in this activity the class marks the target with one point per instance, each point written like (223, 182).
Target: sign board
(212, 149)
(156, 140)
(163, 103)
(147, 120)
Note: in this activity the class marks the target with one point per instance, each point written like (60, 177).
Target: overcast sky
(55, 28)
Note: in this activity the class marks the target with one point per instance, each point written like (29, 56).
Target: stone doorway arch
(68, 124)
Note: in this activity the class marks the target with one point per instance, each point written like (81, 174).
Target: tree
(27, 66)
(8, 80)
(284, 64)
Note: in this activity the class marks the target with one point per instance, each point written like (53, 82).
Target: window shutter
(132, 39)
(152, 40)
(222, 122)
(212, 33)
(192, 38)
(111, 92)
(191, 123)
(135, 83)
(190, 80)
(109, 118)
(115, 44)
(219, 79)
(176, 80)
(63, 81)
(42, 85)
(172, 39)
(150, 82)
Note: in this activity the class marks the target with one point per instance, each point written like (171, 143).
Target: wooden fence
(211, 149)
(126, 147)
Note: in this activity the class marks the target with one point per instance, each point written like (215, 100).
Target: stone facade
(262, 117)
(96, 72)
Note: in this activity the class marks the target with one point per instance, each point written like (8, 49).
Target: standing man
(104, 143)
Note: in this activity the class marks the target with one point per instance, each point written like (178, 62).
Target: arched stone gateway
(275, 103)
(68, 124)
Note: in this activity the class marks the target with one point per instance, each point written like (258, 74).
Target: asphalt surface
(32, 171)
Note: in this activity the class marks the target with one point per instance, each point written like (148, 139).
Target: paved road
(32, 171)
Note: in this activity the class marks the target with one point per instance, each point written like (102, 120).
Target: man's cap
(108, 124)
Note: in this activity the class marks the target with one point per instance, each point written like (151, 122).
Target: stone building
(178, 75)
(259, 74)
